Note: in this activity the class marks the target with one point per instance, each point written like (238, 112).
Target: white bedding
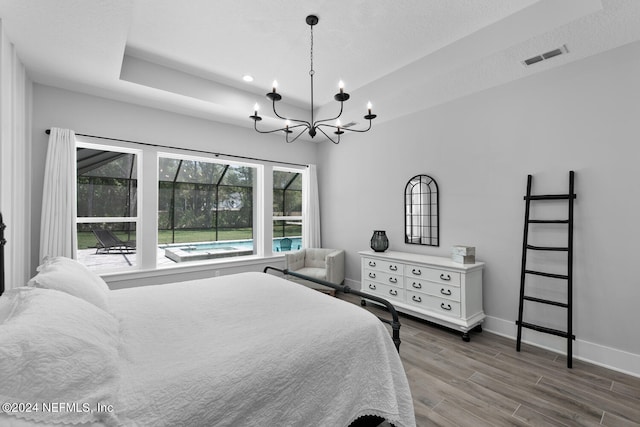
(252, 350)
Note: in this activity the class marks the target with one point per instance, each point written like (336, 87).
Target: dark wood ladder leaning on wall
(568, 334)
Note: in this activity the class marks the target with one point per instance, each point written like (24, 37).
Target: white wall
(582, 117)
(92, 115)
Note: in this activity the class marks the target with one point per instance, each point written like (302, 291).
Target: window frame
(214, 160)
(146, 220)
(300, 217)
(112, 219)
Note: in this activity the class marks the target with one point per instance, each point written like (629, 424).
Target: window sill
(189, 271)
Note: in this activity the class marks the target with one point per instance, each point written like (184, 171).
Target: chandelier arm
(255, 126)
(328, 137)
(346, 129)
(303, 122)
(317, 122)
(297, 136)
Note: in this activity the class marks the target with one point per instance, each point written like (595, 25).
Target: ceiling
(403, 56)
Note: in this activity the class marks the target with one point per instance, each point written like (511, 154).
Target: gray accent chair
(320, 263)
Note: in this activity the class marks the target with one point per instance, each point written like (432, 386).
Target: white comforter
(253, 350)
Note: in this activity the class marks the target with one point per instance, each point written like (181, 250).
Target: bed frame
(394, 322)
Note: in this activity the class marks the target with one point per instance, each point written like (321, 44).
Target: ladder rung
(546, 330)
(546, 301)
(548, 248)
(540, 273)
(549, 221)
(551, 197)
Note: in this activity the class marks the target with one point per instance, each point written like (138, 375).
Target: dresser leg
(363, 302)
(478, 328)
(466, 337)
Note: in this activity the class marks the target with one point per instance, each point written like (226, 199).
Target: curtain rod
(48, 131)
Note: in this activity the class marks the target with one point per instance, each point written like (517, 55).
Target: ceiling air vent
(547, 55)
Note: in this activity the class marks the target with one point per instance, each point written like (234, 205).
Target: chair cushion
(316, 257)
(317, 273)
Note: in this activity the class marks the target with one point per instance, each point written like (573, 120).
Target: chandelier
(312, 126)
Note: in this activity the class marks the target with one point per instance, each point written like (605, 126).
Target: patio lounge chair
(107, 241)
(285, 244)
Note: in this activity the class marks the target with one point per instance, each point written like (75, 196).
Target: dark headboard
(2, 243)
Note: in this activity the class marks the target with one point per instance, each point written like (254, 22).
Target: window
(107, 205)
(205, 209)
(146, 209)
(287, 209)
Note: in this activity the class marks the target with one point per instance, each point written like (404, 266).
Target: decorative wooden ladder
(568, 334)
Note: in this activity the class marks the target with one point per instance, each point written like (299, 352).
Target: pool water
(227, 248)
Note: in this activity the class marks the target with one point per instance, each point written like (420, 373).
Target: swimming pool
(209, 250)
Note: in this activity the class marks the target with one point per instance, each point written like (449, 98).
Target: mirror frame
(422, 211)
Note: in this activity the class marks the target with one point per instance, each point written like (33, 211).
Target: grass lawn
(86, 239)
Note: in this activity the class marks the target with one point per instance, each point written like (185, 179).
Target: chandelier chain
(311, 72)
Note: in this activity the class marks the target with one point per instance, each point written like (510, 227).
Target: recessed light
(247, 78)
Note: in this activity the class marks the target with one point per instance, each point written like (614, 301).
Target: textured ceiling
(404, 56)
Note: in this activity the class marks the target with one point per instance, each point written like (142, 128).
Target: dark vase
(379, 241)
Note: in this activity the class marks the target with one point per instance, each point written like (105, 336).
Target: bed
(248, 349)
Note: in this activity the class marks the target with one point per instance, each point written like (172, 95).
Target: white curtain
(58, 224)
(15, 162)
(311, 210)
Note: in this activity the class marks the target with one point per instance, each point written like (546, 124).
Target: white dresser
(431, 288)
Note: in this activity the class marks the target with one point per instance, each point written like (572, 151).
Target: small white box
(464, 259)
(463, 250)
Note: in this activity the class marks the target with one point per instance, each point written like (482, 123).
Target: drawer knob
(372, 286)
(372, 275)
(372, 264)
(393, 280)
(417, 285)
(445, 307)
(447, 292)
(416, 299)
(416, 272)
(393, 292)
(393, 267)
(443, 277)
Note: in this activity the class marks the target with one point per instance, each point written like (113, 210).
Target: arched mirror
(421, 216)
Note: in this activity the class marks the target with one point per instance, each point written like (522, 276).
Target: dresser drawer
(451, 278)
(428, 302)
(383, 277)
(383, 265)
(435, 289)
(385, 291)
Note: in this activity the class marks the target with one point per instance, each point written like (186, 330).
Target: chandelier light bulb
(275, 85)
(341, 86)
(369, 106)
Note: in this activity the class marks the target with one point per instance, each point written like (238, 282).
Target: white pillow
(57, 348)
(68, 275)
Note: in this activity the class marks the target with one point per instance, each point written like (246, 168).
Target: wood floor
(486, 382)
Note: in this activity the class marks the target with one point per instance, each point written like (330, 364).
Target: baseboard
(353, 284)
(608, 357)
